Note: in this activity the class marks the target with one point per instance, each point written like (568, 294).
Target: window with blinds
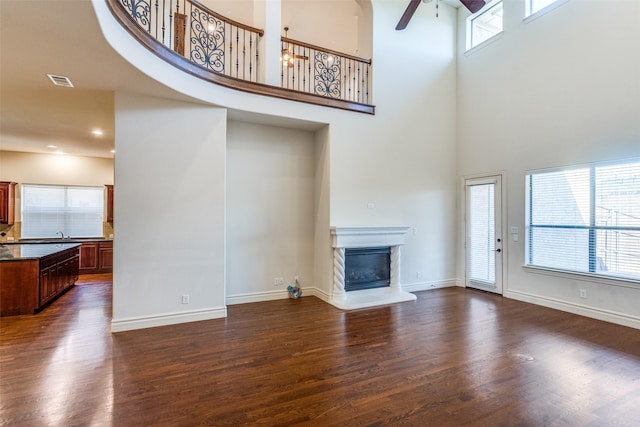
(49, 209)
(585, 219)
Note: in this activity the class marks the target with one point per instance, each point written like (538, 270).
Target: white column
(395, 267)
(267, 15)
(338, 271)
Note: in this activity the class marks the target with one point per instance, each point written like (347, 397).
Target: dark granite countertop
(18, 252)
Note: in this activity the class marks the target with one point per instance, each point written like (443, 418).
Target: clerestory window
(535, 6)
(485, 24)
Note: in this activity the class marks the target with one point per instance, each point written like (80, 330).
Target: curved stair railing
(324, 72)
(203, 36)
(207, 45)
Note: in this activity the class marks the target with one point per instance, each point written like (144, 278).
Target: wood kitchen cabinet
(96, 257)
(105, 257)
(89, 258)
(109, 203)
(57, 274)
(7, 202)
(34, 275)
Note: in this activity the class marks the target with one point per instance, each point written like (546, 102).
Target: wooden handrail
(259, 31)
(329, 51)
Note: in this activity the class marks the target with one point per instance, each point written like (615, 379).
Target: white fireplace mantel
(364, 237)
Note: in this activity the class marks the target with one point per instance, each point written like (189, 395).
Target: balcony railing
(205, 44)
(202, 36)
(324, 72)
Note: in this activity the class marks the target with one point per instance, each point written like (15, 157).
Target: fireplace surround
(344, 238)
(367, 268)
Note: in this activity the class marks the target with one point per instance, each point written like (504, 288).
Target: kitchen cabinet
(35, 275)
(96, 257)
(109, 203)
(89, 258)
(57, 273)
(105, 257)
(7, 202)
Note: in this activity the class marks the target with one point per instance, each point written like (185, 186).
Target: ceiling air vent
(60, 80)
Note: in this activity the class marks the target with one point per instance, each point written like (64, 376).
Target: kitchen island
(33, 275)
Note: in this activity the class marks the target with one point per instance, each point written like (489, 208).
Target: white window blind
(585, 219)
(481, 234)
(75, 211)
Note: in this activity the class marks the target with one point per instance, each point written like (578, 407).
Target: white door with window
(483, 233)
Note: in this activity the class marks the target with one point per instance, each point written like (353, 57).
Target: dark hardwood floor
(453, 357)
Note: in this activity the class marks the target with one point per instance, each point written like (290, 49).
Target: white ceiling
(62, 37)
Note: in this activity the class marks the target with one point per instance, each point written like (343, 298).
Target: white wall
(53, 169)
(334, 24)
(33, 168)
(270, 210)
(402, 160)
(562, 89)
(169, 205)
(323, 252)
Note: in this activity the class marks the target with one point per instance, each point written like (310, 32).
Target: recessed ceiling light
(52, 146)
(60, 80)
(97, 132)
(59, 153)
(113, 151)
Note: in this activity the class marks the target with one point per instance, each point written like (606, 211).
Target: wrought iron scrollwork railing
(324, 72)
(201, 35)
(225, 52)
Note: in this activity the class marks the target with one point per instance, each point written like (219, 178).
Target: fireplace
(367, 268)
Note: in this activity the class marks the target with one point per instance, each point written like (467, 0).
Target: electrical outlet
(418, 275)
(275, 281)
(185, 299)
(583, 293)
(278, 281)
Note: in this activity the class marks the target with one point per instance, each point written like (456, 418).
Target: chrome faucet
(61, 234)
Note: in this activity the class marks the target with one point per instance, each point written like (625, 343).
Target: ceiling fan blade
(408, 13)
(473, 5)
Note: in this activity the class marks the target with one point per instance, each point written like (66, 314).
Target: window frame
(472, 18)
(528, 7)
(592, 250)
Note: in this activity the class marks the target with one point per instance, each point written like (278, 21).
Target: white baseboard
(131, 323)
(319, 293)
(425, 286)
(264, 296)
(594, 313)
(257, 297)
